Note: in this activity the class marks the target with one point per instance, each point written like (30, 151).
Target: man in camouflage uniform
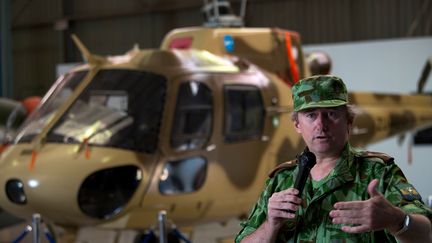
(350, 196)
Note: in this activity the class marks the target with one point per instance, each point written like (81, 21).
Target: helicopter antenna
(424, 76)
(243, 10)
(218, 13)
(87, 56)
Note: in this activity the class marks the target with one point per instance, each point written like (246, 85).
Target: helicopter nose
(15, 191)
(105, 193)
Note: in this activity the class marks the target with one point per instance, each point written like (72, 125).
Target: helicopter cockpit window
(183, 176)
(244, 113)
(119, 108)
(62, 89)
(193, 117)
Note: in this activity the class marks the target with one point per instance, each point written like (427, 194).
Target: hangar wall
(41, 28)
(390, 66)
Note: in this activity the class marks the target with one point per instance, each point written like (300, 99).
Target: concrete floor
(207, 233)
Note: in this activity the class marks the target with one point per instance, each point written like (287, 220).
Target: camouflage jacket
(348, 182)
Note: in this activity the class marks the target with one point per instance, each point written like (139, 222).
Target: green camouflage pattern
(319, 91)
(348, 182)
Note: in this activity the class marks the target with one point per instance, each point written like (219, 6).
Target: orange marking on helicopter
(33, 160)
(87, 149)
(293, 66)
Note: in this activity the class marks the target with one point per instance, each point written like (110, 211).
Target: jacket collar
(344, 172)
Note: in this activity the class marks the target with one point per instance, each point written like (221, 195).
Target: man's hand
(282, 206)
(373, 214)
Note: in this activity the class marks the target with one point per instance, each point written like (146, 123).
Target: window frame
(200, 138)
(244, 133)
(171, 182)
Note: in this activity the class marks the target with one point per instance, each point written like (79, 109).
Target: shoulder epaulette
(384, 157)
(286, 165)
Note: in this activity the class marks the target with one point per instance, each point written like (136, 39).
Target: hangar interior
(375, 45)
(37, 32)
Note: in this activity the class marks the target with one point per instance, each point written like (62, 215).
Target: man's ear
(297, 126)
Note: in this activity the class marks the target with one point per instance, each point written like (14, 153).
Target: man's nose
(322, 120)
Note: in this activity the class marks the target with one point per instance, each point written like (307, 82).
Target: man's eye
(333, 114)
(310, 115)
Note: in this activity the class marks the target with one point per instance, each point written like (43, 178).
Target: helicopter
(192, 128)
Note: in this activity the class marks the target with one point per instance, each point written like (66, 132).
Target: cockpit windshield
(119, 108)
(56, 96)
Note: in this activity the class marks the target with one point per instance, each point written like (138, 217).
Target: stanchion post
(36, 220)
(162, 226)
(23, 234)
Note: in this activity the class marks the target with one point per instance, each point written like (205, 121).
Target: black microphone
(306, 161)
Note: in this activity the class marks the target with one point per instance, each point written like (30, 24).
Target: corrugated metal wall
(112, 27)
(344, 20)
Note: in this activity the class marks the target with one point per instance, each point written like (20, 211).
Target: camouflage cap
(318, 92)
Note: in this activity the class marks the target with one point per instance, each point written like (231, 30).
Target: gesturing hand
(282, 206)
(373, 214)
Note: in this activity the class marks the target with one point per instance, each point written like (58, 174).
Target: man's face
(324, 130)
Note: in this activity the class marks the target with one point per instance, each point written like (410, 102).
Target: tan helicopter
(192, 128)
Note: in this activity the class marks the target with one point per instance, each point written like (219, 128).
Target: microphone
(306, 161)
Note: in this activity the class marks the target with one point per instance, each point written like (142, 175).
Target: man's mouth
(322, 137)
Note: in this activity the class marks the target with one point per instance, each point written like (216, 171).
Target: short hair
(350, 113)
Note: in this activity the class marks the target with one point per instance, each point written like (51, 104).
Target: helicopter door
(244, 139)
(182, 171)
